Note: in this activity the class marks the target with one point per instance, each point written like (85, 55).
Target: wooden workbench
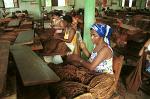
(4, 53)
(32, 69)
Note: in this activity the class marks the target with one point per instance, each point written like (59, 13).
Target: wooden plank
(4, 53)
(32, 68)
(2, 81)
(25, 37)
(146, 20)
(14, 23)
(129, 27)
(26, 25)
(3, 20)
(37, 45)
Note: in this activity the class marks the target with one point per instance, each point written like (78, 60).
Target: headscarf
(103, 30)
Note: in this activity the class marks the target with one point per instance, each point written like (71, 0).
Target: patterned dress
(105, 66)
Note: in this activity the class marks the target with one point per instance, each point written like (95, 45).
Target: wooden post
(89, 19)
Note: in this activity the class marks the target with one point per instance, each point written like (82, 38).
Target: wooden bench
(25, 37)
(5, 20)
(4, 52)
(32, 69)
(26, 24)
(14, 23)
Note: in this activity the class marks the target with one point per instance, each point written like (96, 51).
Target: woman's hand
(82, 45)
(73, 58)
(57, 36)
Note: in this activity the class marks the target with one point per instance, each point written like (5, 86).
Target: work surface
(25, 37)
(4, 53)
(32, 69)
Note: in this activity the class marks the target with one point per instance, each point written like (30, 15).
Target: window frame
(56, 3)
(2, 4)
(129, 3)
(15, 3)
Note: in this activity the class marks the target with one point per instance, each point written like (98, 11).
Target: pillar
(89, 19)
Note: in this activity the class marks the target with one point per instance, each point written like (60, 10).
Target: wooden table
(32, 69)
(129, 29)
(14, 23)
(4, 53)
(145, 20)
(5, 20)
(26, 24)
(25, 37)
(37, 45)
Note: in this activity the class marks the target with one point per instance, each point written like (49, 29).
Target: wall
(64, 8)
(79, 4)
(36, 11)
(33, 9)
(115, 4)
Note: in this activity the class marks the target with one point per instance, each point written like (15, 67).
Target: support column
(89, 19)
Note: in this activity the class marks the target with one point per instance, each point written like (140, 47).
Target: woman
(100, 60)
(56, 19)
(59, 44)
(97, 77)
(70, 37)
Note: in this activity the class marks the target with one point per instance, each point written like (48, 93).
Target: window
(1, 4)
(10, 3)
(133, 3)
(148, 3)
(123, 3)
(129, 3)
(59, 2)
(48, 3)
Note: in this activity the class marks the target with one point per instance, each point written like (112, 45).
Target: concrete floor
(140, 95)
(12, 89)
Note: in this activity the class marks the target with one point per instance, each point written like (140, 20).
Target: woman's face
(95, 37)
(55, 17)
(63, 24)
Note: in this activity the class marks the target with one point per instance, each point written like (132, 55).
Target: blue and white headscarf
(103, 30)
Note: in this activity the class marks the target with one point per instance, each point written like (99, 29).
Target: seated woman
(70, 37)
(56, 19)
(147, 43)
(77, 20)
(98, 73)
(146, 48)
(67, 38)
(100, 59)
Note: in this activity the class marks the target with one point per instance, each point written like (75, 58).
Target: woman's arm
(71, 35)
(145, 45)
(84, 49)
(86, 52)
(105, 53)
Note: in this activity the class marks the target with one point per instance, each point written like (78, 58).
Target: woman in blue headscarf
(100, 82)
(100, 60)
